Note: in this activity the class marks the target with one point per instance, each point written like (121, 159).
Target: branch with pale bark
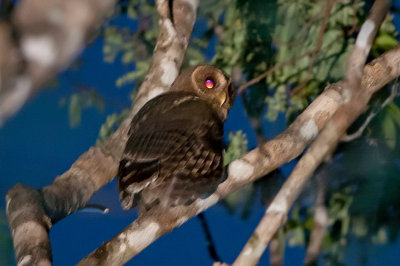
(31, 213)
(355, 99)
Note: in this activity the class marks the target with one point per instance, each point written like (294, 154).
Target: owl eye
(209, 83)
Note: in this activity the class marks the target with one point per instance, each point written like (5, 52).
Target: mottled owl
(174, 153)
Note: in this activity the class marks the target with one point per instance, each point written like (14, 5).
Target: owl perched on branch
(174, 152)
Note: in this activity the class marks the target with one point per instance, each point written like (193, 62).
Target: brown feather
(174, 152)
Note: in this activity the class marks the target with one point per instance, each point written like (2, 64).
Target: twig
(355, 99)
(272, 70)
(360, 130)
(328, 9)
(210, 242)
(312, 53)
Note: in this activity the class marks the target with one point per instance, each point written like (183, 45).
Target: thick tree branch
(30, 211)
(355, 100)
(50, 34)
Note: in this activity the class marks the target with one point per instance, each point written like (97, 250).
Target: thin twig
(313, 52)
(272, 70)
(210, 241)
(320, 39)
(360, 130)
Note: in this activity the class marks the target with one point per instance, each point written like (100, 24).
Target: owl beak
(221, 98)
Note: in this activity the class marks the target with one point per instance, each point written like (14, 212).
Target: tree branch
(50, 35)
(30, 211)
(355, 100)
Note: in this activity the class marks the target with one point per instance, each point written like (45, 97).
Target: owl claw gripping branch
(174, 152)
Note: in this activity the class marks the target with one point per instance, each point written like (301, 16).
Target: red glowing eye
(209, 84)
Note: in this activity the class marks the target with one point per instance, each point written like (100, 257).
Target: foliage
(237, 146)
(111, 124)
(244, 198)
(79, 101)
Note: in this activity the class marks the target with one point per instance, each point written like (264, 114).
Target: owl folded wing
(173, 155)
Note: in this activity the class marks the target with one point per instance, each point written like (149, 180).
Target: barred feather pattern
(174, 152)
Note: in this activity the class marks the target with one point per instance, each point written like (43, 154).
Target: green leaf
(385, 41)
(138, 73)
(394, 112)
(75, 110)
(277, 103)
(237, 147)
(296, 237)
(381, 237)
(389, 131)
(80, 101)
(111, 124)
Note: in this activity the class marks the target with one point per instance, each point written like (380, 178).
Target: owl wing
(173, 154)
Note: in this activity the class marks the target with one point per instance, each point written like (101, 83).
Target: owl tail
(133, 177)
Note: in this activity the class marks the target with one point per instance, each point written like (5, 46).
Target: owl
(174, 153)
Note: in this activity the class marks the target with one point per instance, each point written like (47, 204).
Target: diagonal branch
(30, 211)
(255, 164)
(355, 100)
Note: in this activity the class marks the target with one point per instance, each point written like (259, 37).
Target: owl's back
(174, 153)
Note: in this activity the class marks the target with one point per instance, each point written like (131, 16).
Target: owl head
(210, 84)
